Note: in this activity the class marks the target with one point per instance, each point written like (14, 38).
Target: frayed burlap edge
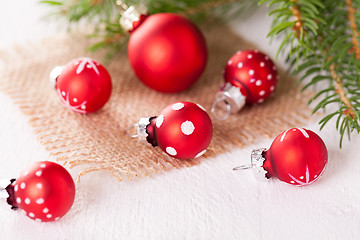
(98, 141)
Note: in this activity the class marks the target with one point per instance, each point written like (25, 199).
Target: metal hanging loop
(134, 126)
(121, 6)
(214, 107)
(243, 167)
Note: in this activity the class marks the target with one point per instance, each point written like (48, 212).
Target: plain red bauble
(297, 156)
(45, 191)
(183, 130)
(254, 73)
(167, 52)
(84, 85)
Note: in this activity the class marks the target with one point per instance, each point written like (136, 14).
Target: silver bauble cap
(130, 15)
(232, 97)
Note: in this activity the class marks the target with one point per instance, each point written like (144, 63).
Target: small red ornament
(250, 77)
(183, 130)
(297, 156)
(45, 191)
(83, 85)
(167, 52)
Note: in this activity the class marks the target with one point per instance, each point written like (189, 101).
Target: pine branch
(321, 41)
(339, 89)
(104, 15)
(355, 34)
(207, 7)
(299, 26)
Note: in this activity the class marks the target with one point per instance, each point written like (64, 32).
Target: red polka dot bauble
(183, 130)
(297, 156)
(250, 77)
(83, 85)
(167, 52)
(45, 191)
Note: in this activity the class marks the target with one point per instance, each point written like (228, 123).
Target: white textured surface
(208, 201)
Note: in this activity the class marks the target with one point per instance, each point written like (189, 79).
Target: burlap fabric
(98, 141)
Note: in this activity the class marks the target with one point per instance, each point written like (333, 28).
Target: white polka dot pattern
(159, 121)
(177, 106)
(40, 201)
(254, 73)
(187, 127)
(33, 196)
(171, 151)
(38, 173)
(183, 134)
(200, 153)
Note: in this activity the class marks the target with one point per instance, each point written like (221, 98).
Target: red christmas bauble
(84, 85)
(184, 130)
(297, 156)
(45, 191)
(167, 52)
(253, 73)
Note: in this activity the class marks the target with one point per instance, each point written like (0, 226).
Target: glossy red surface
(84, 85)
(167, 52)
(184, 130)
(297, 156)
(45, 191)
(254, 73)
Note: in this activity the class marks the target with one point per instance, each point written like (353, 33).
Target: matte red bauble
(297, 156)
(45, 191)
(182, 130)
(166, 51)
(83, 85)
(250, 77)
